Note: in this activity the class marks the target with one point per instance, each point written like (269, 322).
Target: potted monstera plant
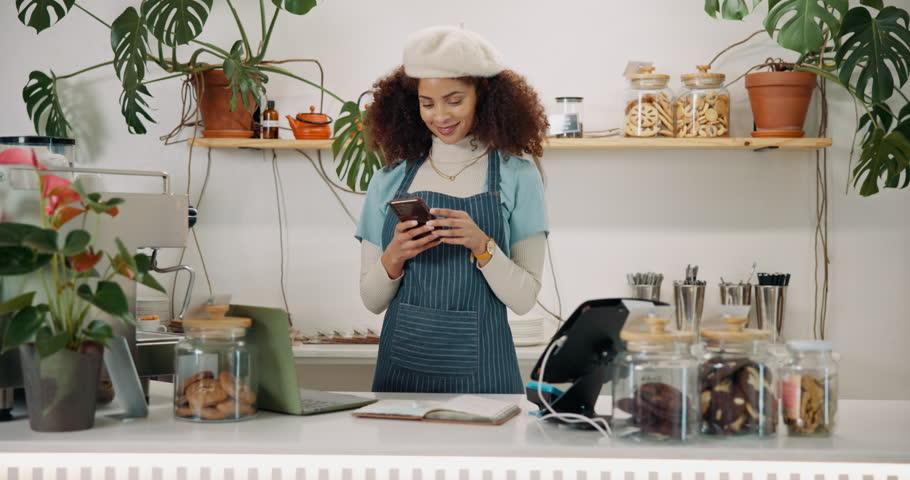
(53, 318)
(864, 49)
(165, 35)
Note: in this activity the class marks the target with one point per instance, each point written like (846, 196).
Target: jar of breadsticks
(809, 388)
(648, 105)
(215, 376)
(703, 105)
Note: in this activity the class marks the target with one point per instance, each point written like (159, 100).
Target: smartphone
(412, 208)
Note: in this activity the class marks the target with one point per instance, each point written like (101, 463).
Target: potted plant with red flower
(55, 326)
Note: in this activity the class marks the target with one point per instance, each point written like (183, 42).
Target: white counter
(873, 438)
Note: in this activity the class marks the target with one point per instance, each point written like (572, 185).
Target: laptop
(279, 390)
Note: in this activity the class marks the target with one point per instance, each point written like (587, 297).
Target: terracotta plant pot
(214, 104)
(60, 389)
(780, 101)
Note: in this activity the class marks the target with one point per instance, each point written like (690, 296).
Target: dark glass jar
(737, 383)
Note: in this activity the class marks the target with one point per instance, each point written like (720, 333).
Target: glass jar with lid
(655, 385)
(809, 388)
(568, 122)
(648, 105)
(215, 376)
(736, 381)
(703, 105)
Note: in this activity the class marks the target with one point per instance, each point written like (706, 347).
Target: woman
(451, 123)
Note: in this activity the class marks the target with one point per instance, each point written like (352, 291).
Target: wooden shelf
(609, 143)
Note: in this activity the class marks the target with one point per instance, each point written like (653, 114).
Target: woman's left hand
(458, 228)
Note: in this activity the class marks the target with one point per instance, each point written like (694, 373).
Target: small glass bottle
(809, 388)
(257, 122)
(572, 111)
(648, 105)
(270, 121)
(703, 105)
(215, 378)
(655, 385)
(736, 381)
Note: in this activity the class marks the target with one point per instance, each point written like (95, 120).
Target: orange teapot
(311, 126)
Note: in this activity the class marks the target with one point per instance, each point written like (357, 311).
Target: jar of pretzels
(655, 385)
(648, 105)
(703, 105)
(809, 388)
(215, 377)
(736, 381)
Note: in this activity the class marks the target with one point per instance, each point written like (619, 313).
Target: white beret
(449, 52)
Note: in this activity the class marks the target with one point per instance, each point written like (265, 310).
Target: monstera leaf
(128, 40)
(43, 105)
(881, 114)
(802, 29)
(133, 107)
(246, 81)
(885, 157)
(731, 9)
(176, 22)
(357, 163)
(869, 46)
(297, 7)
(37, 13)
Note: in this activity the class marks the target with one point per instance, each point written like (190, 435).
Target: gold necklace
(451, 178)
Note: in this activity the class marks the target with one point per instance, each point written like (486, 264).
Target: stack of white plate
(152, 302)
(527, 331)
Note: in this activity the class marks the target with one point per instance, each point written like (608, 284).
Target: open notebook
(462, 409)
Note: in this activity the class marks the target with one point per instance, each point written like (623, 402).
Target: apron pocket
(436, 342)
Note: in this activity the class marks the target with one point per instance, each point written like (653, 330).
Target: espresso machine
(146, 220)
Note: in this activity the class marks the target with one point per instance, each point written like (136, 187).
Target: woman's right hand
(404, 246)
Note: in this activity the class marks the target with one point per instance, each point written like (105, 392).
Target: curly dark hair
(509, 117)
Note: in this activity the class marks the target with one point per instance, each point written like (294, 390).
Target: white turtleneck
(515, 281)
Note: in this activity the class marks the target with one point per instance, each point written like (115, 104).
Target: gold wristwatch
(491, 247)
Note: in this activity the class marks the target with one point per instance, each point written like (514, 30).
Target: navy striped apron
(446, 331)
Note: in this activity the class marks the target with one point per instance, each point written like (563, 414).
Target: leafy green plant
(147, 37)
(65, 265)
(867, 55)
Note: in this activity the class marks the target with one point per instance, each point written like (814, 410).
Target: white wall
(611, 212)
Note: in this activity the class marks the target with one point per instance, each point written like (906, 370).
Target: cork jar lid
(657, 332)
(647, 73)
(217, 319)
(703, 74)
(736, 331)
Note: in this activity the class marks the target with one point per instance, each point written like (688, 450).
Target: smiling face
(447, 107)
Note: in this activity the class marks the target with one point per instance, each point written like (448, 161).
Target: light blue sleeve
(523, 201)
(382, 188)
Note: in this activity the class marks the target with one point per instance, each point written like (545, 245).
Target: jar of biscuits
(648, 100)
(215, 378)
(736, 381)
(655, 385)
(809, 388)
(703, 105)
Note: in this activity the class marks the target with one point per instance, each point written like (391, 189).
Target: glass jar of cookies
(648, 105)
(703, 105)
(809, 388)
(736, 381)
(655, 385)
(215, 378)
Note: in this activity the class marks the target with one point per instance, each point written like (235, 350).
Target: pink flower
(20, 156)
(56, 193)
